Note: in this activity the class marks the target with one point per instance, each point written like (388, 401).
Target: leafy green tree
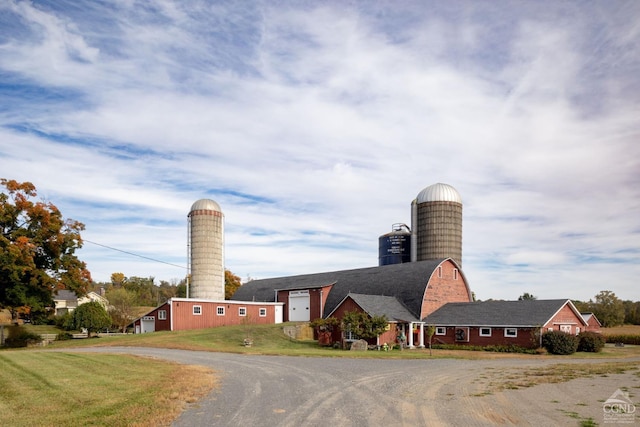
(122, 305)
(362, 325)
(231, 284)
(37, 251)
(609, 309)
(145, 290)
(631, 312)
(526, 296)
(92, 316)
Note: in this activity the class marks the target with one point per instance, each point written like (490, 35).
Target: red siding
(567, 320)
(181, 311)
(526, 337)
(441, 290)
(593, 325)
(184, 319)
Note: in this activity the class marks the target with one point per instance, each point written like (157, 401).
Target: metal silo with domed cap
(206, 250)
(436, 224)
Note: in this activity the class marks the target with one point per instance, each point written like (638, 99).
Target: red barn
(593, 324)
(401, 321)
(180, 314)
(504, 322)
(421, 287)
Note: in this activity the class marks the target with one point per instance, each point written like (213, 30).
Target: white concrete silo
(206, 250)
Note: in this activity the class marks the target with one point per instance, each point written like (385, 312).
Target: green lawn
(48, 388)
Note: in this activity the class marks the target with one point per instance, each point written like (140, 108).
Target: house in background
(518, 323)
(66, 301)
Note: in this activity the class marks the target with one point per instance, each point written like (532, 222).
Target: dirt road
(299, 391)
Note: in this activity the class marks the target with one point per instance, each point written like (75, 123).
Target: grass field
(47, 388)
(622, 330)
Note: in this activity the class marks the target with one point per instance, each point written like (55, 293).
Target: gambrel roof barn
(421, 287)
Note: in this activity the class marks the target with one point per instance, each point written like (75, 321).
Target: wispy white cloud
(315, 125)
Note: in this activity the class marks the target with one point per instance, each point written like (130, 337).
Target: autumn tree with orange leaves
(37, 251)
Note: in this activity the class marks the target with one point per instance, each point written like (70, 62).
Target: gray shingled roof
(65, 295)
(497, 313)
(407, 282)
(377, 305)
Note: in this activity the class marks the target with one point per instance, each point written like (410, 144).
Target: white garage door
(148, 324)
(299, 306)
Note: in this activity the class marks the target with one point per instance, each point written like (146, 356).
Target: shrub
(20, 337)
(63, 336)
(64, 321)
(558, 342)
(591, 342)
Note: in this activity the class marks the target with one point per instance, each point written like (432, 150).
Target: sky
(314, 124)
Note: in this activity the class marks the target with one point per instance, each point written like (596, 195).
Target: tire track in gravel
(299, 391)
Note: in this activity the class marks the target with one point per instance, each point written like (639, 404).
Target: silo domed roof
(206, 205)
(439, 193)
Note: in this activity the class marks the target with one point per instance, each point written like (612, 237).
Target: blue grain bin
(395, 247)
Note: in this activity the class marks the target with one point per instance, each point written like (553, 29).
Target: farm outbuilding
(181, 314)
(504, 322)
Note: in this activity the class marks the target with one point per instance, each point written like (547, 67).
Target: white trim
(441, 330)
(484, 334)
(162, 314)
(262, 312)
(242, 311)
(220, 310)
(199, 311)
(515, 332)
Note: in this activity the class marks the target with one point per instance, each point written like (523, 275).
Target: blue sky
(315, 124)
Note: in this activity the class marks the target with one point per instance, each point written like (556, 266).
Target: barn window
(197, 310)
(162, 314)
(262, 312)
(455, 274)
(511, 332)
(439, 272)
(441, 330)
(242, 311)
(220, 311)
(485, 332)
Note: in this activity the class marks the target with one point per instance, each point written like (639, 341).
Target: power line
(136, 255)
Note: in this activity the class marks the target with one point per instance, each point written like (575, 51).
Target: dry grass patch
(511, 379)
(54, 388)
(622, 330)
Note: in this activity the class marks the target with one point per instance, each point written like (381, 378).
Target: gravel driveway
(301, 391)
